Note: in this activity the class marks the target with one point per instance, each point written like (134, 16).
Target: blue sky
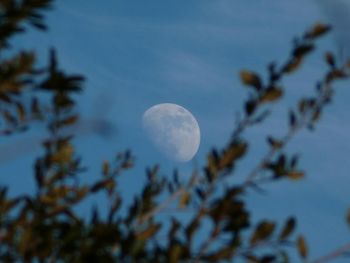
(139, 53)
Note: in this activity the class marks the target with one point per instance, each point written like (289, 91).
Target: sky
(139, 53)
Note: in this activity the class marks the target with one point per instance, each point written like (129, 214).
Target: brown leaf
(295, 175)
(336, 74)
(235, 151)
(288, 228)
(69, 121)
(318, 30)
(105, 168)
(293, 65)
(149, 232)
(184, 199)
(263, 231)
(175, 252)
(251, 79)
(221, 254)
(302, 247)
(271, 94)
(64, 154)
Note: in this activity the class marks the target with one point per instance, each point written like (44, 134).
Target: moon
(173, 130)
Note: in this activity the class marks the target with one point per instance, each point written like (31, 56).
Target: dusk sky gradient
(139, 53)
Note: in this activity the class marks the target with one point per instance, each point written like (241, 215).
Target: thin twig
(170, 199)
(163, 205)
(269, 155)
(334, 254)
(207, 244)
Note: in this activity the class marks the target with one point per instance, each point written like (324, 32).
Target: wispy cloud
(187, 70)
(220, 20)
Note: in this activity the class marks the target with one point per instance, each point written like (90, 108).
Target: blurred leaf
(251, 258)
(35, 109)
(103, 184)
(336, 74)
(293, 65)
(295, 175)
(292, 119)
(261, 117)
(348, 217)
(224, 253)
(69, 120)
(263, 231)
(318, 30)
(192, 227)
(4, 97)
(175, 226)
(64, 154)
(175, 251)
(276, 144)
(105, 168)
(302, 50)
(272, 94)
(316, 115)
(149, 232)
(200, 193)
(302, 105)
(250, 107)
(184, 199)
(302, 247)
(329, 57)
(235, 151)
(212, 169)
(268, 259)
(288, 228)
(251, 79)
(39, 25)
(9, 118)
(294, 161)
(20, 112)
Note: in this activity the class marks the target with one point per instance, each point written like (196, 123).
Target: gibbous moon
(173, 130)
